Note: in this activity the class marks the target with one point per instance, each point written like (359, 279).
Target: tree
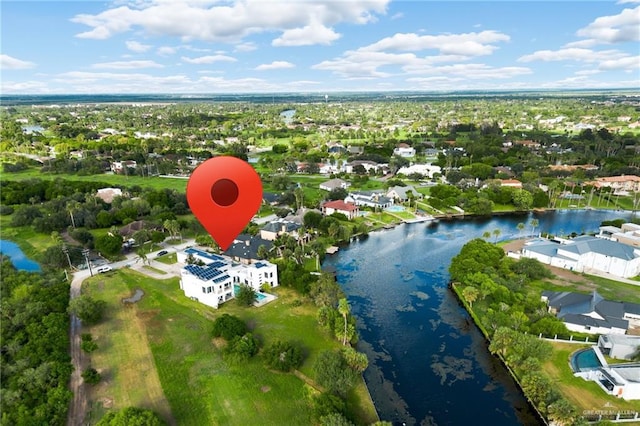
(282, 356)
(496, 234)
(228, 326)
(243, 348)
(246, 295)
(562, 413)
(520, 227)
(87, 344)
(131, 416)
(357, 361)
(534, 224)
(87, 309)
(91, 376)
(333, 372)
(325, 291)
(470, 294)
(109, 245)
(343, 308)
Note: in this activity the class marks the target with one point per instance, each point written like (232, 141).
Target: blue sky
(224, 46)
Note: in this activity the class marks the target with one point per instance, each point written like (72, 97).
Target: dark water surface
(429, 365)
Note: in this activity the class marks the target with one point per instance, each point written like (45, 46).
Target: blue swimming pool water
(395, 209)
(259, 296)
(584, 360)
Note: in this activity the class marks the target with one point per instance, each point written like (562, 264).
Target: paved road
(78, 409)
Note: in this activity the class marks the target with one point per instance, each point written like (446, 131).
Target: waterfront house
(586, 254)
(621, 185)
(591, 313)
(375, 199)
(212, 281)
(619, 346)
(628, 233)
(245, 248)
(350, 210)
(400, 193)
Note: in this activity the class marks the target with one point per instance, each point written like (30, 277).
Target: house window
(204, 290)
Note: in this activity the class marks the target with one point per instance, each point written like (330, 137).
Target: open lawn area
(161, 348)
(585, 395)
(32, 243)
(155, 182)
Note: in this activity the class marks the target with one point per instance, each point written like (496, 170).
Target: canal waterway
(428, 364)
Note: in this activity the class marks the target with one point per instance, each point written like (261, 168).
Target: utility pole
(85, 252)
(65, 250)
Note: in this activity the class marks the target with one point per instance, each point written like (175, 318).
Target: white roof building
(219, 278)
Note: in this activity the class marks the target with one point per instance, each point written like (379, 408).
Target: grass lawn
(155, 182)
(168, 259)
(156, 270)
(585, 395)
(402, 214)
(32, 243)
(609, 289)
(168, 335)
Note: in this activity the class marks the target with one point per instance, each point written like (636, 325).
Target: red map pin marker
(224, 193)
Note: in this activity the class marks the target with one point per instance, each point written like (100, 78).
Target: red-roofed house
(619, 184)
(350, 210)
(513, 183)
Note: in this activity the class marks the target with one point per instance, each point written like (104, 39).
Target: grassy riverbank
(168, 336)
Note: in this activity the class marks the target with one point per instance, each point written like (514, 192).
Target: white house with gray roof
(591, 313)
(400, 193)
(586, 253)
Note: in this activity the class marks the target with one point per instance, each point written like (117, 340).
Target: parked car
(162, 253)
(103, 269)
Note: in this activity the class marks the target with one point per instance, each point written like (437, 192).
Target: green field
(155, 182)
(168, 336)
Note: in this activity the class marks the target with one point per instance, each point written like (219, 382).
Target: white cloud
(10, 63)
(628, 63)
(620, 28)
(127, 65)
(572, 54)
(275, 65)
(226, 21)
(468, 44)
(245, 47)
(166, 50)
(397, 16)
(307, 36)
(137, 47)
(210, 59)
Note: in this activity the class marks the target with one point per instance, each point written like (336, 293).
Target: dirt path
(78, 409)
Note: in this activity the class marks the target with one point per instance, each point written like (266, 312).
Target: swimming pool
(259, 296)
(585, 360)
(395, 209)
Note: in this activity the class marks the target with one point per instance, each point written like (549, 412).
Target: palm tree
(520, 229)
(496, 234)
(534, 224)
(486, 235)
(470, 294)
(72, 206)
(343, 308)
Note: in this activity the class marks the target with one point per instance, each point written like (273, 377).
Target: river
(428, 364)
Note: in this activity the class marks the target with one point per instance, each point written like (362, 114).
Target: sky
(266, 46)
